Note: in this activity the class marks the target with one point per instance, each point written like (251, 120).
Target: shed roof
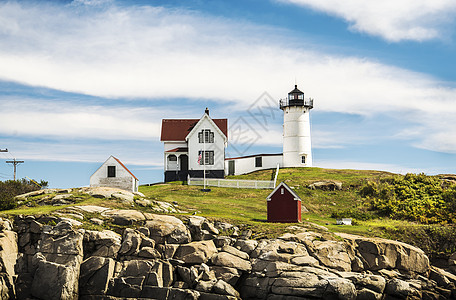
(116, 159)
(178, 129)
(283, 184)
(125, 167)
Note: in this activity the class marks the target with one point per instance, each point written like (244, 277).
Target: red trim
(179, 149)
(125, 168)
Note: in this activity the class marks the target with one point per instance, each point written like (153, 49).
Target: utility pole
(15, 163)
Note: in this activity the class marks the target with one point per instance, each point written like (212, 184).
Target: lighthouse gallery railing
(296, 102)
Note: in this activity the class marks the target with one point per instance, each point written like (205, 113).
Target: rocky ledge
(164, 257)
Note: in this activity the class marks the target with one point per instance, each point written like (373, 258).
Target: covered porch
(176, 164)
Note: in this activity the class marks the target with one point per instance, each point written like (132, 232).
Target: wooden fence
(232, 183)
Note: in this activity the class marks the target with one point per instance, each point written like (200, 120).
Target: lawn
(248, 206)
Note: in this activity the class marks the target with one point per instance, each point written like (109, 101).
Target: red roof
(125, 168)
(179, 149)
(178, 129)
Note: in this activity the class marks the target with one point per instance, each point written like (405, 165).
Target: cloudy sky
(85, 79)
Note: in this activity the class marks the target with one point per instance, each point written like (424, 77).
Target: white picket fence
(233, 183)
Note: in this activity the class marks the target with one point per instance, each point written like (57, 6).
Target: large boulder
(227, 274)
(63, 245)
(104, 243)
(169, 229)
(223, 288)
(278, 250)
(96, 272)
(235, 252)
(8, 251)
(54, 281)
(328, 185)
(124, 216)
(58, 263)
(333, 254)
(398, 288)
(306, 285)
(246, 245)
(131, 241)
(225, 259)
(201, 228)
(155, 272)
(8, 257)
(196, 252)
(364, 281)
(377, 254)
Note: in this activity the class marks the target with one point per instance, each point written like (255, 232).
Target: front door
(183, 159)
(231, 167)
(183, 162)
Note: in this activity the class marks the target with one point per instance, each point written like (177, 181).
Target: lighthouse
(297, 150)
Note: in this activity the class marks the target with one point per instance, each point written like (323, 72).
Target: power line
(15, 163)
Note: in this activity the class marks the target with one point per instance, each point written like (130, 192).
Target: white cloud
(156, 53)
(46, 118)
(416, 20)
(147, 153)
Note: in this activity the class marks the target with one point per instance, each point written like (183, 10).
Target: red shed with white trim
(284, 205)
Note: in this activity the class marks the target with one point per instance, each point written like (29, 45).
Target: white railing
(232, 183)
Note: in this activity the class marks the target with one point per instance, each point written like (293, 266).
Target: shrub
(11, 188)
(414, 197)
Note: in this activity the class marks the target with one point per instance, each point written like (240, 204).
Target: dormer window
(206, 136)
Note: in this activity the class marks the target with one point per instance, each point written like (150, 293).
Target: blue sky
(83, 80)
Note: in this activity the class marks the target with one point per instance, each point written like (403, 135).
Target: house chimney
(206, 111)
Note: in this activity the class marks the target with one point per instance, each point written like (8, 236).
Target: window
(258, 162)
(206, 158)
(172, 157)
(282, 191)
(303, 159)
(111, 171)
(206, 136)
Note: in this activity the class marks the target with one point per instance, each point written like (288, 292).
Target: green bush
(11, 188)
(354, 213)
(414, 197)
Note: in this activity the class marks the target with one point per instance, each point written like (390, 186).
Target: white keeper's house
(192, 145)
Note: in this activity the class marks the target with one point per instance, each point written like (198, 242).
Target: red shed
(284, 205)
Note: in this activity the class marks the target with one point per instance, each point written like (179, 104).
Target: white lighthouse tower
(297, 150)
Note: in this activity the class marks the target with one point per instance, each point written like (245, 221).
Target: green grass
(247, 207)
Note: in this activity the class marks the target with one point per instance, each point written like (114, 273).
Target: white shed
(113, 173)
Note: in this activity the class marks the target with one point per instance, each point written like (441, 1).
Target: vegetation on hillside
(413, 197)
(411, 208)
(11, 188)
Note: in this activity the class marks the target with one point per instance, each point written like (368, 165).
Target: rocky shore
(166, 258)
(157, 256)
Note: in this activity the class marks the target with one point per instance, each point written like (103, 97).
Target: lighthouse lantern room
(297, 150)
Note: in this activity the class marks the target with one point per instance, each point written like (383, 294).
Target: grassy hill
(417, 209)
(382, 204)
